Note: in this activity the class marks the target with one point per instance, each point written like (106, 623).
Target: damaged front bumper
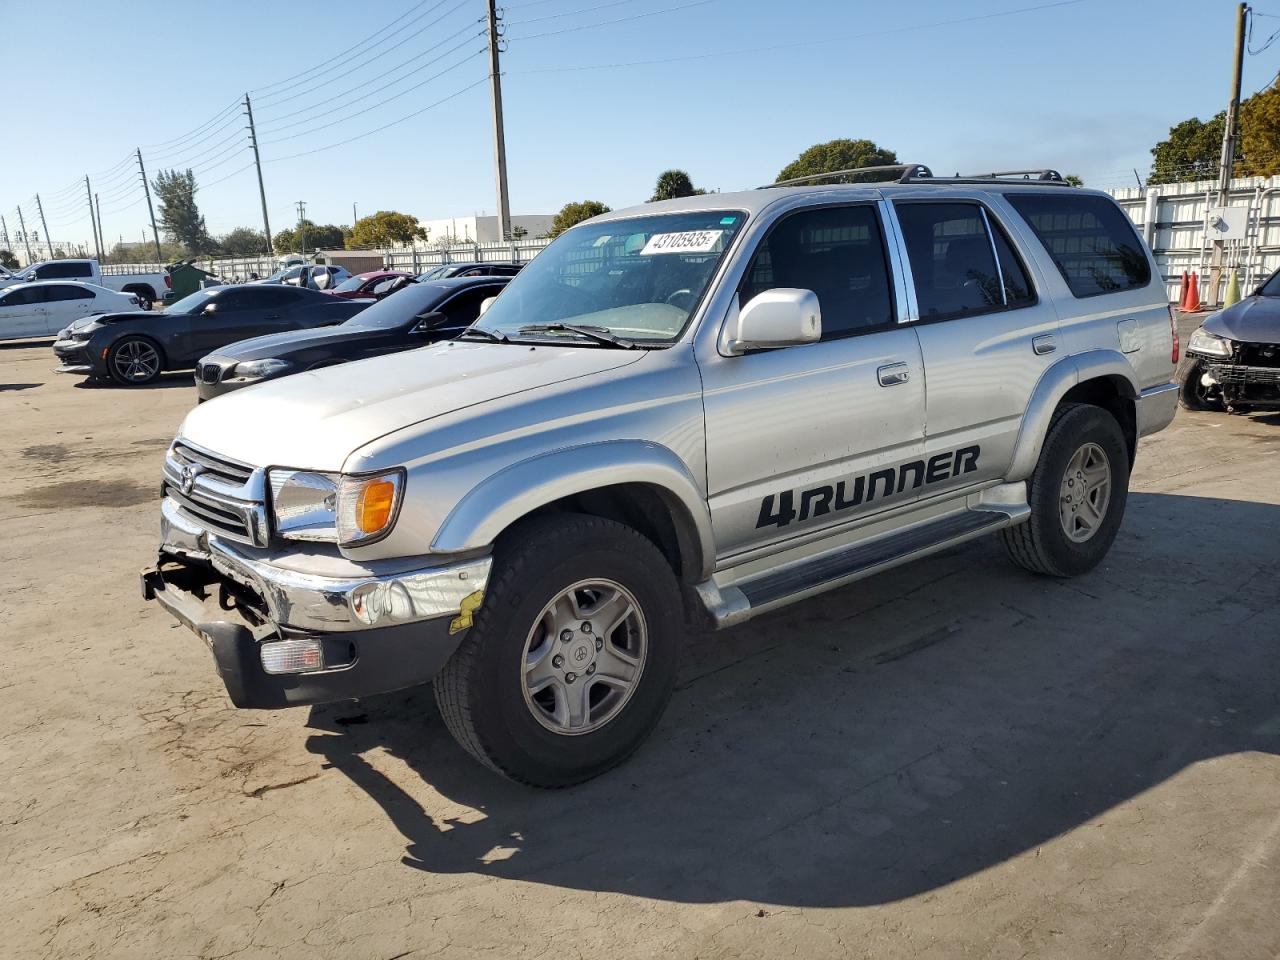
(1243, 383)
(308, 626)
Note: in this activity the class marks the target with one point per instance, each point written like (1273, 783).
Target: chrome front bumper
(1156, 407)
(346, 597)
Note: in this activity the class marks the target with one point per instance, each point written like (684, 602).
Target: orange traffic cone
(1193, 295)
(1182, 289)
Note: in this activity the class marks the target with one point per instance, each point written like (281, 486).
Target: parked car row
(147, 287)
(43, 307)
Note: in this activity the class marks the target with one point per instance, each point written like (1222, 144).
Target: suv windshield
(637, 279)
(1272, 287)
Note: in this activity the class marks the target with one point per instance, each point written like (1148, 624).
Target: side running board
(826, 571)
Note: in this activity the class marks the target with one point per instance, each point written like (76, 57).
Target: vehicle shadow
(885, 739)
(27, 344)
(166, 381)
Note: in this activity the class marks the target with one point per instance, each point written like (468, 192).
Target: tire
(484, 691)
(134, 361)
(1192, 394)
(1044, 544)
(145, 300)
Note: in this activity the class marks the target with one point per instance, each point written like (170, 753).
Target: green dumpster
(185, 278)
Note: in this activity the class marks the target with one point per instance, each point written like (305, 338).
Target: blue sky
(1087, 87)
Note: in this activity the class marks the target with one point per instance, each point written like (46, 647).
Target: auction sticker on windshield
(688, 241)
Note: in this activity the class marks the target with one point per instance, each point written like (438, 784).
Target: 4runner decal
(819, 501)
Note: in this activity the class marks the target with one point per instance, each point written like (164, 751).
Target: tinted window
(265, 298)
(953, 262)
(463, 309)
(65, 291)
(64, 271)
(838, 253)
(23, 297)
(1089, 238)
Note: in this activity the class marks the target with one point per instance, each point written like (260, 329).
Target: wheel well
(143, 288)
(1114, 395)
(647, 509)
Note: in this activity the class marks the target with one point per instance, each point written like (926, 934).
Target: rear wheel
(1077, 495)
(133, 361)
(573, 655)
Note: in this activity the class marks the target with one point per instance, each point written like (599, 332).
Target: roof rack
(889, 173)
(1045, 175)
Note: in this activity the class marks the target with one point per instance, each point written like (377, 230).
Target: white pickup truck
(148, 287)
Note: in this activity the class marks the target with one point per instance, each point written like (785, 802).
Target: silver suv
(703, 408)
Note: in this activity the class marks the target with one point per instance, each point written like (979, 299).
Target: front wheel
(133, 361)
(572, 657)
(1077, 494)
(1193, 394)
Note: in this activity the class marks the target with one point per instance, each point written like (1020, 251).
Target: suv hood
(1253, 320)
(315, 420)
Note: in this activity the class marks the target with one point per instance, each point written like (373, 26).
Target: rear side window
(65, 291)
(838, 253)
(961, 261)
(1089, 238)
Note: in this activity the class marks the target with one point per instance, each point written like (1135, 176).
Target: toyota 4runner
(701, 408)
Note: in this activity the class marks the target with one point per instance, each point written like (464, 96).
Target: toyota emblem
(189, 474)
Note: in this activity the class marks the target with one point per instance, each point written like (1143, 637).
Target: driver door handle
(892, 374)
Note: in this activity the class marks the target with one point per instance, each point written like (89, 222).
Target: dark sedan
(375, 283)
(474, 269)
(1234, 358)
(135, 348)
(420, 314)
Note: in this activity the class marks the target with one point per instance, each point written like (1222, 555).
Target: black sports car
(134, 348)
(1234, 358)
(473, 269)
(420, 314)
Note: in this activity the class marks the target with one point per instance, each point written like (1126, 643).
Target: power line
(569, 13)
(385, 126)
(330, 106)
(804, 43)
(187, 136)
(403, 93)
(607, 23)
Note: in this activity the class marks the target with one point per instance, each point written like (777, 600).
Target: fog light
(292, 656)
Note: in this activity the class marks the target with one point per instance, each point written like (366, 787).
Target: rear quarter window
(1091, 241)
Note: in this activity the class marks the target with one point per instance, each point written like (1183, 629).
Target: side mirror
(209, 308)
(781, 317)
(427, 322)
(485, 304)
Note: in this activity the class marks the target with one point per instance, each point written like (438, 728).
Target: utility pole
(26, 240)
(499, 138)
(302, 233)
(88, 192)
(4, 227)
(98, 207)
(1230, 134)
(354, 218)
(142, 172)
(257, 161)
(44, 226)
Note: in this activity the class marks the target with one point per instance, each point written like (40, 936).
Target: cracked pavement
(954, 759)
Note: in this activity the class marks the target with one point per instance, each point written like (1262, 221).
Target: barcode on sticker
(688, 241)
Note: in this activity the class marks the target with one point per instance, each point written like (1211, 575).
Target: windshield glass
(638, 279)
(191, 302)
(349, 284)
(434, 273)
(1272, 287)
(399, 308)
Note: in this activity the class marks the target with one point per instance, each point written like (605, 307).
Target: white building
(484, 229)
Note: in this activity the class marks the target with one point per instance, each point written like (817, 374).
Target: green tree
(308, 236)
(384, 228)
(1072, 179)
(243, 242)
(144, 253)
(1260, 135)
(837, 155)
(8, 260)
(672, 184)
(519, 233)
(1191, 151)
(179, 215)
(574, 213)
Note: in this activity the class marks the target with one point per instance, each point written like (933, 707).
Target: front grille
(1259, 355)
(228, 471)
(220, 495)
(1225, 373)
(211, 372)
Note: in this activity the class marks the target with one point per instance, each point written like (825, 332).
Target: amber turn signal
(374, 506)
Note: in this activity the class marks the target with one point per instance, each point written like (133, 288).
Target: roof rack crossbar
(901, 173)
(1046, 174)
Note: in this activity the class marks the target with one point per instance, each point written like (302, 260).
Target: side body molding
(516, 490)
(1053, 386)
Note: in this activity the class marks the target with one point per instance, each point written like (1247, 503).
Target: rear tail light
(1173, 331)
(168, 281)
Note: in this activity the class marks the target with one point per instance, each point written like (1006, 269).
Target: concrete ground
(955, 759)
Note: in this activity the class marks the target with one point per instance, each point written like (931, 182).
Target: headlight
(305, 505)
(1204, 342)
(331, 508)
(367, 506)
(263, 368)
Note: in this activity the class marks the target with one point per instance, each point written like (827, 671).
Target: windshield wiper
(493, 335)
(598, 334)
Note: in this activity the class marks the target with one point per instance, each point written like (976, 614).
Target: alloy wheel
(1086, 492)
(136, 361)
